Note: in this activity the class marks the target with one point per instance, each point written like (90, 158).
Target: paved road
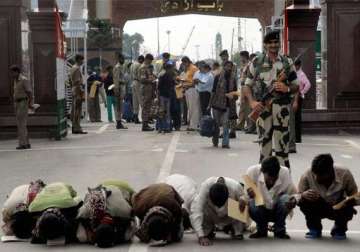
(143, 158)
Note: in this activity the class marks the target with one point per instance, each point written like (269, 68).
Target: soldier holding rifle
(269, 86)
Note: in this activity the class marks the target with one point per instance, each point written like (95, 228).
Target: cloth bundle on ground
(207, 126)
(106, 218)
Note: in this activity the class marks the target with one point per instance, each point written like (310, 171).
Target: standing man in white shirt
(204, 81)
(209, 209)
(278, 191)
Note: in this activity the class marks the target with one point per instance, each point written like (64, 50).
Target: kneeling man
(321, 188)
(158, 207)
(275, 185)
(209, 209)
(17, 220)
(105, 219)
(187, 189)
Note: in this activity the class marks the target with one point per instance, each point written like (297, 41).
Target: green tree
(236, 58)
(100, 35)
(131, 44)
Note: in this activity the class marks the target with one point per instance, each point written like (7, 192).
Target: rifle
(266, 99)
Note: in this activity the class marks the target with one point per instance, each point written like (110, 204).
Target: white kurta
(185, 186)
(204, 215)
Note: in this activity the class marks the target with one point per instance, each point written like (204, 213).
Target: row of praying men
(112, 212)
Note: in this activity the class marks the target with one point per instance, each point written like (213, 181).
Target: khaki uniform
(244, 103)
(147, 91)
(136, 87)
(77, 94)
(119, 89)
(22, 92)
(273, 123)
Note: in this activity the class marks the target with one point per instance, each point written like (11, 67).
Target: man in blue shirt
(204, 81)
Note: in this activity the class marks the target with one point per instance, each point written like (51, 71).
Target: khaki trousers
(147, 97)
(21, 113)
(76, 112)
(136, 96)
(119, 101)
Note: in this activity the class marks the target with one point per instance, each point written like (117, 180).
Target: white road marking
(251, 142)
(324, 231)
(233, 154)
(84, 147)
(346, 156)
(169, 158)
(164, 172)
(157, 150)
(67, 148)
(181, 151)
(319, 144)
(124, 150)
(102, 129)
(353, 144)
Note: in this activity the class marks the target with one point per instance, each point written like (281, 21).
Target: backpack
(207, 126)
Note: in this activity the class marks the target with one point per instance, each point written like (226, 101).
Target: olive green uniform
(244, 103)
(77, 95)
(273, 123)
(119, 89)
(147, 91)
(136, 87)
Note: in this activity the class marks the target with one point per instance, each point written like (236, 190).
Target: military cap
(224, 52)
(272, 35)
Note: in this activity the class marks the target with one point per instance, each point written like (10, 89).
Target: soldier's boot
(146, 127)
(119, 125)
(136, 119)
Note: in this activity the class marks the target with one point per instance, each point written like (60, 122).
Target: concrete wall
(103, 9)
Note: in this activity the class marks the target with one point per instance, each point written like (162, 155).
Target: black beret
(272, 35)
(224, 52)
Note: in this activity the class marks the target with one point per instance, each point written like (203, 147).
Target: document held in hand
(249, 183)
(235, 213)
(341, 204)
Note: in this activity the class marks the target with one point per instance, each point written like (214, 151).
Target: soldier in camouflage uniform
(147, 80)
(76, 79)
(273, 123)
(119, 89)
